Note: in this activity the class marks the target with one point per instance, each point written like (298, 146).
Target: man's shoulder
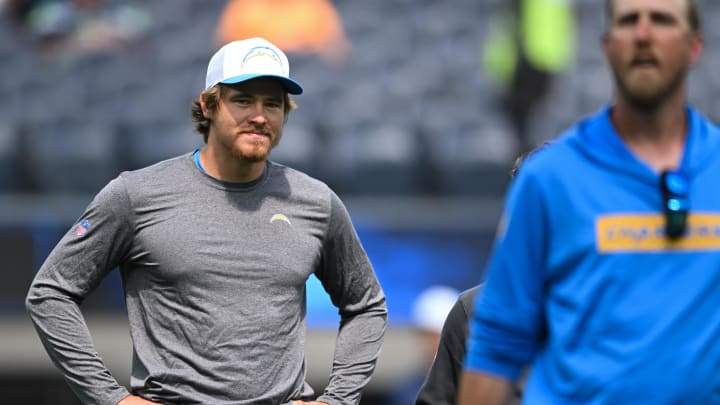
(710, 124)
(164, 167)
(557, 156)
(297, 178)
(162, 177)
(467, 297)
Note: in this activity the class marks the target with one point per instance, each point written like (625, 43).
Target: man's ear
(697, 47)
(604, 43)
(203, 106)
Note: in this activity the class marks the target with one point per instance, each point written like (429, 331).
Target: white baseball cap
(432, 306)
(248, 59)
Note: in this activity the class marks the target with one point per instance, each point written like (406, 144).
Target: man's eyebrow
(239, 93)
(627, 17)
(655, 15)
(245, 95)
(663, 16)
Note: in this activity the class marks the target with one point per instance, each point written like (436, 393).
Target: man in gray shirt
(214, 248)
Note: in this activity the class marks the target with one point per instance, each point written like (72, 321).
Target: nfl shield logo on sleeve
(82, 227)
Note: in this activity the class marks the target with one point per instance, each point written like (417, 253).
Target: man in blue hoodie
(605, 273)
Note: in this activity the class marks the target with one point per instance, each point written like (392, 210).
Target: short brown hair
(211, 97)
(520, 159)
(693, 13)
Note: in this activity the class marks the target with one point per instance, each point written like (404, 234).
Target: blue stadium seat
(10, 169)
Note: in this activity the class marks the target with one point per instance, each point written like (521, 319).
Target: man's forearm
(357, 347)
(483, 389)
(64, 334)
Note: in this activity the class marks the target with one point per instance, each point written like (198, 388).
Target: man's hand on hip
(136, 400)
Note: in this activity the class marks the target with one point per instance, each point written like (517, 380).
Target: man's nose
(258, 113)
(643, 29)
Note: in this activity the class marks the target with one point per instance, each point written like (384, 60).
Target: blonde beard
(251, 154)
(650, 97)
(254, 151)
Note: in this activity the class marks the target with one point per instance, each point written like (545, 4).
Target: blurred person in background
(215, 248)
(529, 43)
(605, 268)
(429, 311)
(296, 26)
(64, 30)
(441, 384)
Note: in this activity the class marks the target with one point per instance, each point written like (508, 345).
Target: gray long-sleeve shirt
(214, 277)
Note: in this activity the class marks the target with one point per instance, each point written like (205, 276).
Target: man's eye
(662, 19)
(627, 20)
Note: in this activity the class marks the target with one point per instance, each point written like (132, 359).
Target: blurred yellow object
(549, 33)
(542, 31)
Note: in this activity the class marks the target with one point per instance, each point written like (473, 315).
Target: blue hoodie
(583, 283)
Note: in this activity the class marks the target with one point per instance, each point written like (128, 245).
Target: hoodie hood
(597, 139)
